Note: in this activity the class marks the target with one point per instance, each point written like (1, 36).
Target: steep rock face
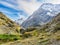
(7, 26)
(43, 15)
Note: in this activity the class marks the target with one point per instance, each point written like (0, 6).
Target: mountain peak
(47, 6)
(43, 15)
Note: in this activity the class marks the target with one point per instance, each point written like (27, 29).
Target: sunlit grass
(6, 38)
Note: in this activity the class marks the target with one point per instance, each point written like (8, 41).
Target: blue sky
(10, 8)
(16, 9)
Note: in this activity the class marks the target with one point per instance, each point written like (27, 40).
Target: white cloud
(56, 1)
(28, 7)
(9, 5)
(52, 1)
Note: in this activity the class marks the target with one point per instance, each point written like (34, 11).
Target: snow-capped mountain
(43, 15)
(19, 21)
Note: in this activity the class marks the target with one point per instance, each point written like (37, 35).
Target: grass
(6, 38)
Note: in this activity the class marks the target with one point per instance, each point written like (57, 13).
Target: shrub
(6, 37)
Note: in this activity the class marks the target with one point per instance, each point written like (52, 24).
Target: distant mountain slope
(7, 26)
(43, 15)
(48, 34)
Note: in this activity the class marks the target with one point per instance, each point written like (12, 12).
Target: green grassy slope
(9, 30)
(7, 26)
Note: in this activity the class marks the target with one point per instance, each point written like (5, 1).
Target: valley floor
(42, 39)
